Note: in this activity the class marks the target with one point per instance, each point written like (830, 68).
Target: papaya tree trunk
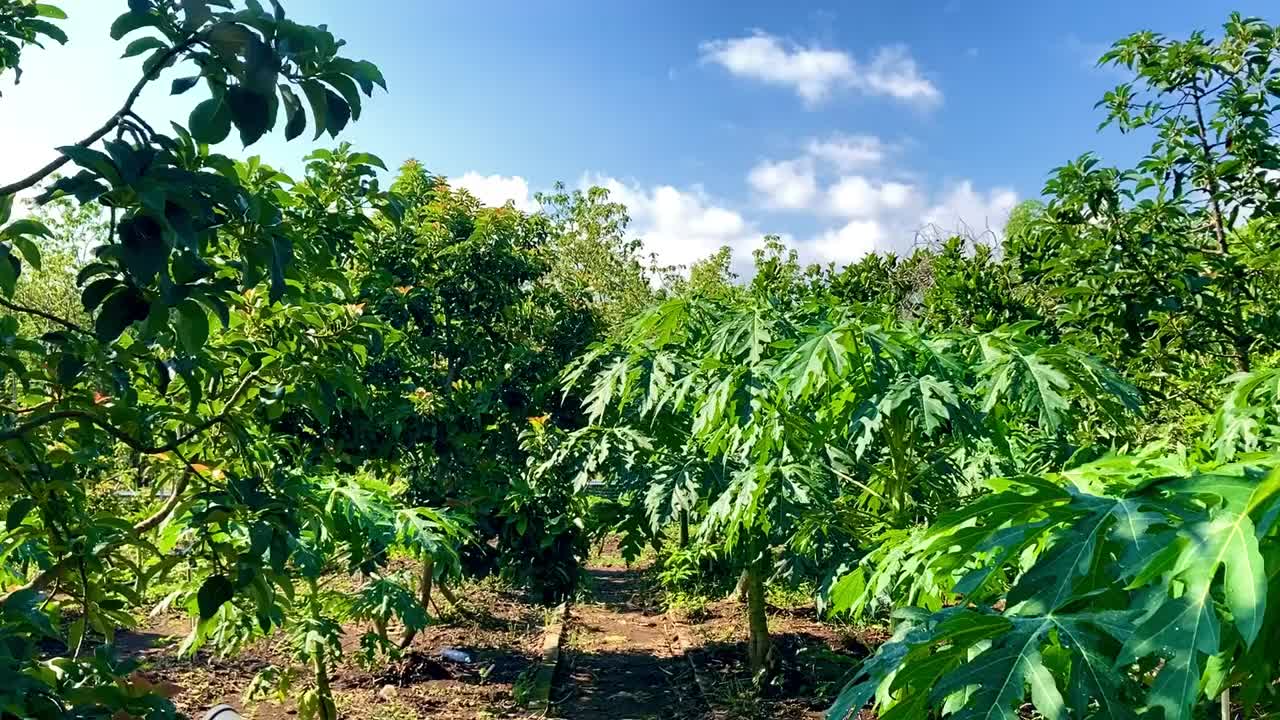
(424, 597)
(428, 576)
(458, 607)
(759, 644)
(327, 710)
(684, 529)
(740, 590)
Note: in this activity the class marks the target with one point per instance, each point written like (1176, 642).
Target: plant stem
(759, 644)
(424, 596)
(328, 710)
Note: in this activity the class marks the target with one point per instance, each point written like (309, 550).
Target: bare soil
(502, 634)
(814, 660)
(619, 658)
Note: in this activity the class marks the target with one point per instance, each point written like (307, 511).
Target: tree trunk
(684, 529)
(428, 575)
(759, 644)
(424, 597)
(740, 591)
(327, 710)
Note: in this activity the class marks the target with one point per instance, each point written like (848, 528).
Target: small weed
(393, 710)
(690, 606)
(791, 596)
(740, 700)
(551, 616)
(523, 689)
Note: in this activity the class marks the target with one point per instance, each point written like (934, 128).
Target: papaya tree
(1149, 590)
(803, 423)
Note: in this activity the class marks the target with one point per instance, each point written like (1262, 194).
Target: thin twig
(42, 314)
(36, 177)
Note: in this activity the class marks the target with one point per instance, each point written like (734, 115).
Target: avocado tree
(220, 309)
(484, 327)
(1164, 269)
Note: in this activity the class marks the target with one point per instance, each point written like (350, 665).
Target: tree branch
(42, 314)
(175, 499)
(134, 444)
(35, 178)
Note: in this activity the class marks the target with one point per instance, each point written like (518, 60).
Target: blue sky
(844, 127)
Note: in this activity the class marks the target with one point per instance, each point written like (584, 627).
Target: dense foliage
(298, 406)
(142, 430)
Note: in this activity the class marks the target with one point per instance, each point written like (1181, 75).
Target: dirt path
(620, 661)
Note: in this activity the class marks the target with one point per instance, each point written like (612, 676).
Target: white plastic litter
(457, 656)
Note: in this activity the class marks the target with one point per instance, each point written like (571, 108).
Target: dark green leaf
(29, 250)
(213, 594)
(210, 121)
(196, 13)
(144, 249)
(97, 291)
(121, 309)
(296, 121)
(347, 89)
(181, 85)
(316, 96)
(251, 112)
(133, 20)
(141, 45)
(193, 326)
(26, 226)
(337, 113)
(18, 512)
(48, 29)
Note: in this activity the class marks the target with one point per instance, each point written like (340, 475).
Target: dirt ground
(503, 637)
(620, 659)
(624, 658)
(815, 659)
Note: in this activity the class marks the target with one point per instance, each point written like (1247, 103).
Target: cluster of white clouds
(681, 226)
(863, 213)
(848, 179)
(678, 225)
(815, 73)
(850, 186)
(497, 190)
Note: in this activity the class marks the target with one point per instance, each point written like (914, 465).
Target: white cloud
(814, 73)
(811, 72)
(856, 196)
(497, 190)
(894, 72)
(850, 243)
(964, 209)
(680, 226)
(848, 152)
(785, 185)
(877, 206)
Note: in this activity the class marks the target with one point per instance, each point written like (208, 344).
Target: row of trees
(1095, 395)
(224, 386)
